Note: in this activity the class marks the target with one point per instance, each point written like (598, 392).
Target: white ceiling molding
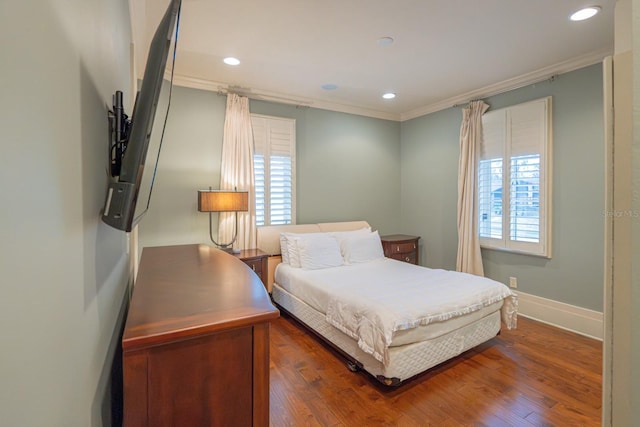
(491, 90)
(223, 88)
(196, 83)
(357, 110)
(510, 84)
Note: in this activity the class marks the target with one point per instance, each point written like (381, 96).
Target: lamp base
(229, 249)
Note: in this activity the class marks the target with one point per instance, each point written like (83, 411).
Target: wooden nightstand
(257, 260)
(401, 247)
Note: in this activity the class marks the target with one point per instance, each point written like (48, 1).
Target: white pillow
(362, 248)
(318, 252)
(284, 250)
(291, 247)
(344, 235)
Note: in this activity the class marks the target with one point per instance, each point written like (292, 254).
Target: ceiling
(445, 52)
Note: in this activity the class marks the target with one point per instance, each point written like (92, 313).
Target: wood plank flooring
(536, 375)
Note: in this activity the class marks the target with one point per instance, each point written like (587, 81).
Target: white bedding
(371, 301)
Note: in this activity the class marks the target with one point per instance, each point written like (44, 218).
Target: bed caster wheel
(352, 366)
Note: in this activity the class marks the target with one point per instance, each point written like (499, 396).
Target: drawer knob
(407, 259)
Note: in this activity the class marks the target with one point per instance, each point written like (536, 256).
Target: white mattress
(317, 288)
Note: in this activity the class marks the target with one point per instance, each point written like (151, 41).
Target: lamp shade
(223, 201)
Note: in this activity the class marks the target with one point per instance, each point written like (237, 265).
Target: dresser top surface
(187, 290)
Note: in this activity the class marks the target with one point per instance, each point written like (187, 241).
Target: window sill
(516, 251)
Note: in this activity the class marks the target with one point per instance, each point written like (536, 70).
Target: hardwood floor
(536, 375)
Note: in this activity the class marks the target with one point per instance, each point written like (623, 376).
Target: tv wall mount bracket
(119, 128)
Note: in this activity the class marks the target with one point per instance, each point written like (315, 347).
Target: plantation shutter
(527, 127)
(274, 166)
(493, 135)
(514, 181)
(490, 175)
(258, 125)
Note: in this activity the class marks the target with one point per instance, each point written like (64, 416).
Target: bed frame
(405, 361)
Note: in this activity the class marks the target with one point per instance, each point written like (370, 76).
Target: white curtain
(469, 256)
(236, 172)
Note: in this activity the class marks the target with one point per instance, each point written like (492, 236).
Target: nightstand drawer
(409, 257)
(402, 248)
(256, 265)
(256, 260)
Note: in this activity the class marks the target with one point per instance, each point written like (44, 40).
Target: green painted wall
(429, 185)
(189, 161)
(429, 163)
(64, 273)
(347, 167)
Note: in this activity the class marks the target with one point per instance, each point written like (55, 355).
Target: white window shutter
(274, 163)
(514, 190)
(491, 177)
(493, 135)
(527, 124)
(260, 143)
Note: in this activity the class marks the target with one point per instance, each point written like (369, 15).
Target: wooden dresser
(401, 247)
(196, 341)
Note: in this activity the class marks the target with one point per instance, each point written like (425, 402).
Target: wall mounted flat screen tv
(136, 143)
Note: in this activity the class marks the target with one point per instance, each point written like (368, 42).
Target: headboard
(269, 239)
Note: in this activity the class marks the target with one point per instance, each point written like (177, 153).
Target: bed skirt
(405, 361)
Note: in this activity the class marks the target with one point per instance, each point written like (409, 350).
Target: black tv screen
(129, 193)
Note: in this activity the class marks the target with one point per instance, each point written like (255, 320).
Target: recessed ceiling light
(329, 86)
(385, 41)
(389, 95)
(231, 61)
(585, 13)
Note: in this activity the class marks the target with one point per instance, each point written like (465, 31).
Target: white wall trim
(570, 317)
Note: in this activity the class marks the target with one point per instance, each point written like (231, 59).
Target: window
(514, 179)
(274, 169)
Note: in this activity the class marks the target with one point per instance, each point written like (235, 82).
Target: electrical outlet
(513, 282)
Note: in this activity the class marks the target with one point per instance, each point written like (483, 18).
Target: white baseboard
(570, 317)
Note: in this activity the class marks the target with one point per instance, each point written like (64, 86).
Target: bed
(389, 318)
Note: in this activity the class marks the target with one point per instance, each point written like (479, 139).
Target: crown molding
(223, 89)
(511, 84)
(491, 90)
(384, 115)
